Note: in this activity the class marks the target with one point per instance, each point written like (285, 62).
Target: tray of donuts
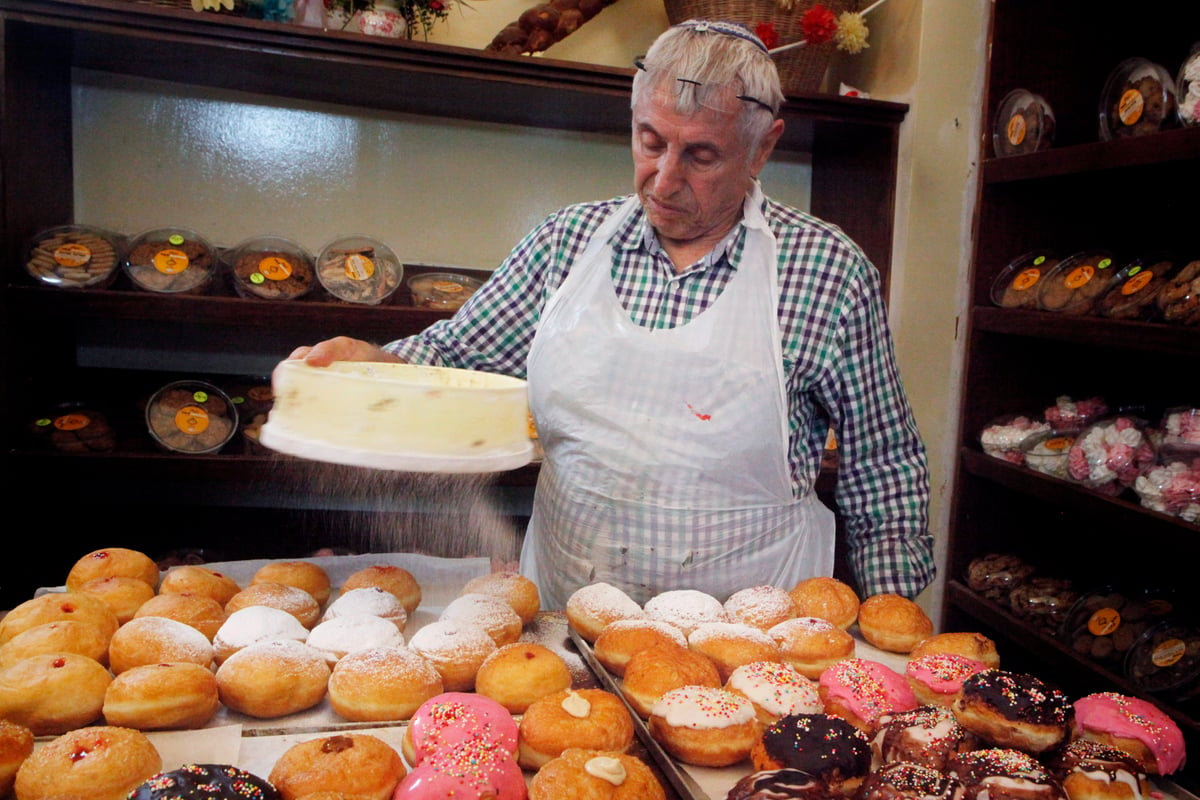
(167, 681)
(812, 693)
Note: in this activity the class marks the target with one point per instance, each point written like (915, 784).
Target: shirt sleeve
(883, 481)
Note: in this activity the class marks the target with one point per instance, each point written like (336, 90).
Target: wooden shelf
(1166, 147)
(1091, 331)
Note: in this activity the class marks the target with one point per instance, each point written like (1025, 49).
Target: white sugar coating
(668, 630)
(777, 688)
(799, 625)
(484, 609)
(451, 640)
(277, 595)
(760, 605)
(604, 602)
(255, 624)
(707, 632)
(346, 634)
(700, 707)
(170, 637)
(368, 600)
(391, 665)
(286, 651)
(686, 608)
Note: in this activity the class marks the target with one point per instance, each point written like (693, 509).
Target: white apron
(666, 450)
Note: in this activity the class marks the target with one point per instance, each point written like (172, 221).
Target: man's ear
(766, 146)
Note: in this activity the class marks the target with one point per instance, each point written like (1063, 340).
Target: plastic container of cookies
(1136, 286)
(442, 291)
(74, 257)
(171, 260)
(1187, 84)
(1179, 299)
(359, 269)
(1138, 99)
(1017, 284)
(270, 268)
(1165, 660)
(1024, 124)
(74, 427)
(1104, 623)
(191, 417)
(1073, 286)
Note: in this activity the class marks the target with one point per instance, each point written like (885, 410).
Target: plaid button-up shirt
(839, 363)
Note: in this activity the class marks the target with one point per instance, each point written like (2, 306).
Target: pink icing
(451, 718)
(867, 688)
(943, 673)
(1133, 718)
(473, 768)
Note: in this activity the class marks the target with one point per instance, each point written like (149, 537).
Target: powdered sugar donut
(492, 614)
(305, 575)
(591, 608)
(455, 649)
(394, 580)
(382, 683)
(368, 600)
(686, 609)
(200, 611)
(511, 587)
(155, 640)
(340, 636)
(811, 645)
(704, 726)
(255, 624)
(761, 607)
(621, 639)
(297, 602)
(861, 691)
(775, 689)
(729, 645)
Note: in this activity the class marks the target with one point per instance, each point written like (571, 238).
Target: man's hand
(342, 348)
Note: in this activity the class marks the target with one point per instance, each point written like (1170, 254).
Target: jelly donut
(901, 781)
(64, 636)
(729, 645)
(1013, 710)
(705, 726)
(1134, 725)
(829, 748)
(396, 581)
(110, 562)
(382, 683)
(490, 613)
(205, 782)
(590, 608)
(354, 763)
(297, 602)
(893, 623)
(928, 735)
(155, 640)
(471, 768)
(972, 645)
(305, 575)
(123, 595)
(590, 719)
(862, 691)
(936, 678)
(55, 606)
(686, 609)
(16, 743)
(780, 784)
(162, 697)
(1089, 770)
(583, 774)
(197, 579)
(519, 592)
(449, 718)
(54, 692)
(812, 644)
(826, 598)
(273, 679)
(198, 610)
(761, 607)
(371, 600)
(775, 690)
(103, 762)
(517, 674)
(619, 640)
(655, 671)
(1003, 773)
(456, 649)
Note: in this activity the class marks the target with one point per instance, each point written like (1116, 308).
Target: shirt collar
(637, 233)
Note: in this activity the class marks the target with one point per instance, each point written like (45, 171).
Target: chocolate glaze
(1002, 774)
(1018, 696)
(903, 781)
(825, 746)
(205, 782)
(928, 735)
(781, 784)
(1085, 755)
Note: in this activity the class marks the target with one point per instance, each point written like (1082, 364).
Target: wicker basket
(801, 69)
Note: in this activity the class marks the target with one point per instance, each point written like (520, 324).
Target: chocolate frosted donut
(901, 781)
(1013, 709)
(927, 736)
(1003, 774)
(780, 784)
(1090, 770)
(205, 782)
(827, 747)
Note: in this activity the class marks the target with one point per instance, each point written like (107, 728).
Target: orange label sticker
(1130, 106)
(1026, 279)
(532, 427)
(358, 267)
(72, 255)
(1058, 443)
(1168, 653)
(192, 420)
(170, 261)
(1079, 276)
(1137, 282)
(72, 422)
(1016, 129)
(1104, 621)
(275, 268)
(447, 287)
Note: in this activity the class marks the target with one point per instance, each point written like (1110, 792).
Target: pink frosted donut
(447, 719)
(936, 679)
(861, 691)
(472, 768)
(1136, 726)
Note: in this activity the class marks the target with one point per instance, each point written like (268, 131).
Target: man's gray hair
(713, 54)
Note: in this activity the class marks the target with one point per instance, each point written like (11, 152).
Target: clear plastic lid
(1004, 436)
(1075, 284)
(1179, 299)
(74, 257)
(270, 268)
(1138, 98)
(442, 291)
(1110, 454)
(191, 417)
(1106, 622)
(74, 427)
(1187, 84)
(359, 269)
(1024, 124)
(1047, 453)
(1071, 416)
(1136, 286)
(171, 260)
(1165, 660)
(1017, 284)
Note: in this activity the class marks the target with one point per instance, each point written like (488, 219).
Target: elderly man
(688, 348)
